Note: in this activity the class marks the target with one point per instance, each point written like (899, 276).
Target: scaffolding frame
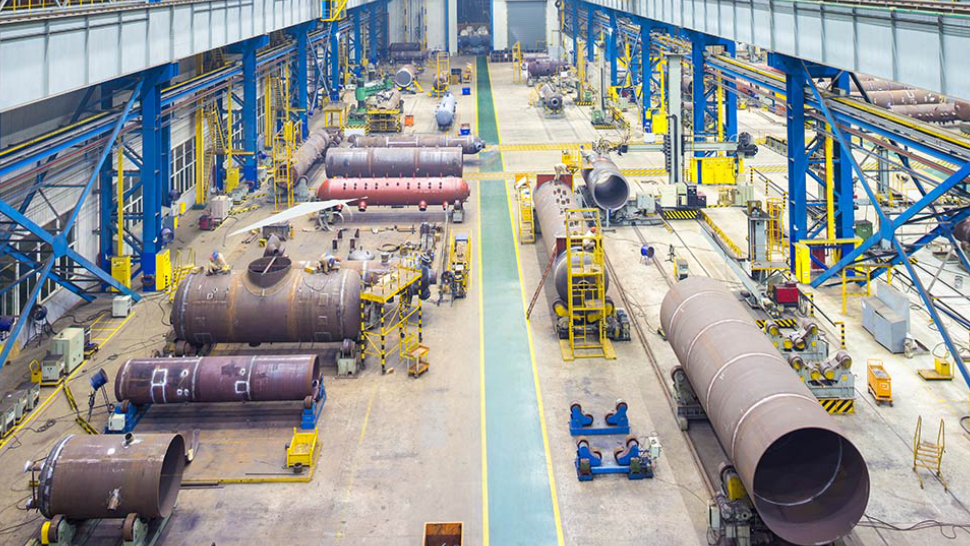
(586, 281)
(526, 228)
(391, 316)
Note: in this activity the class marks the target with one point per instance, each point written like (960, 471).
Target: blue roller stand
(630, 460)
(308, 421)
(132, 415)
(581, 424)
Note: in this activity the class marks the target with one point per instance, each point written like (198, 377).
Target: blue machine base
(311, 415)
(581, 424)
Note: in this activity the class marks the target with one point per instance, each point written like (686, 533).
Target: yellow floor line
(481, 349)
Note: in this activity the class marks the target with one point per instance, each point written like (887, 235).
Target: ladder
(527, 232)
(213, 119)
(586, 276)
(929, 455)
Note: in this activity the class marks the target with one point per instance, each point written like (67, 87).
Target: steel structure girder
(58, 243)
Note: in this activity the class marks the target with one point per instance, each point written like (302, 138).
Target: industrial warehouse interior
(484, 272)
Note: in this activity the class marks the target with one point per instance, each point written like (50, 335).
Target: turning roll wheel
(128, 529)
(620, 407)
(308, 402)
(50, 528)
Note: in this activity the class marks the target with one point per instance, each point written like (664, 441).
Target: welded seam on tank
(747, 412)
(699, 335)
(710, 386)
(821, 492)
(680, 307)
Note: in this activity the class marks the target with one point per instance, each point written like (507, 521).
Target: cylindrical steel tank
(871, 85)
(962, 231)
(469, 145)
(444, 113)
(540, 68)
(904, 96)
(551, 201)
(110, 476)
(808, 482)
(392, 162)
(268, 303)
(607, 186)
(217, 379)
(404, 76)
(390, 100)
(939, 113)
(396, 192)
(369, 270)
(550, 97)
(306, 156)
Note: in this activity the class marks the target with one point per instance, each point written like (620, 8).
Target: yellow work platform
(391, 285)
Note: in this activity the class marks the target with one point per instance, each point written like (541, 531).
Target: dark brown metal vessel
(551, 98)
(110, 476)
(235, 378)
(312, 149)
(962, 231)
(808, 482)
(268, 303)
(396, 192)
(607, 186)
(393, 162)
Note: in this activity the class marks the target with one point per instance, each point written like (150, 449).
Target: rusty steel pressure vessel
(269, 303)
(393, 162)
(607, 186)
(808, 482)
(396, 192)
(872, 85)
(469, 145)
(404, 76)
(551, 201)
(110, 476)
(540, 68)
(938, 113)
(236, 378)
(551, 98)
(306, 156)
(962, 231)
(904, 96)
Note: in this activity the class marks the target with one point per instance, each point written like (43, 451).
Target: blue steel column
(334, 63)
(151, 171)
(611, 49)
(646, 72)
(359, 46)
(575, 32)
(590, 33)
(844, 189)
(730, 100)
(250, 126)
(698, 46)
(797, 159)
(372, 36)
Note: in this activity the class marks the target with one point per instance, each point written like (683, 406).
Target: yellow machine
(880, 383)
(715, 170)
(457, 277)
(302, 449)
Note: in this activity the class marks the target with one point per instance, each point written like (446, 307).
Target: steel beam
(590, 36)
(334, 63)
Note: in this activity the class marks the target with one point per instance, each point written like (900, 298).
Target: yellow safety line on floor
(43, 405)
(481, 353)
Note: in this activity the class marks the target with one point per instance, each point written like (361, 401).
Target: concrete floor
(483, 437)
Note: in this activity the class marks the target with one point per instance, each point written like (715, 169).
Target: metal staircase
(586, 275)
(929, 455)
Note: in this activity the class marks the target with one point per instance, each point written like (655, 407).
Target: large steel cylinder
(871, 85)
(444, 113)
(390, 100)
(938, 113)
(540, 68)
(552, 200)
(469, 145)
(306, 156)
(267, 304)
(607, 186)
(808, 482)
(904, 96)
(551, 98)
(393, 162)
(962, 231)
(111, 476)
(217, 379)
(395, 192)
(404, 76)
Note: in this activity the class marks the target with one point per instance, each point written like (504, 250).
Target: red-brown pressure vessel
(396, 192)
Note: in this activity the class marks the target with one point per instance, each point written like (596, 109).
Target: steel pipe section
(470, 145)
(551, 98)
(404, 76)
(551, 201)
(607, 186)
(110, 476)
(393, 162)
(269, 303)
(807, 480)
(444, 113)
(312, 149)
(218, 379)
(962, 231)
(540, 68)
(939, 113)
(396, 192)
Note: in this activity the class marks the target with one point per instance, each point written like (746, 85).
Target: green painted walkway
(520, 510)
